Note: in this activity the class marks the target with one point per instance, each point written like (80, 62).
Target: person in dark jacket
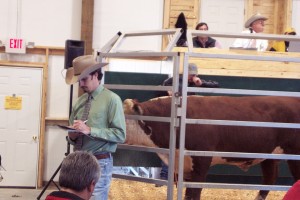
(205, 41)
(193, 81)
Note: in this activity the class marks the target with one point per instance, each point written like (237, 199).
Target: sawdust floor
(124, 189)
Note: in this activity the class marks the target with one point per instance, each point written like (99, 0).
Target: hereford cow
(227, 138)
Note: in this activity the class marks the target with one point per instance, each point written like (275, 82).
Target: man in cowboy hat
(98, 117)
(255, 24)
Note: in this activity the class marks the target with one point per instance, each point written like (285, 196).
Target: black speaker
(73, 49)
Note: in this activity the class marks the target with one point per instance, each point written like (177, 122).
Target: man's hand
(81, 127)
(197, 81)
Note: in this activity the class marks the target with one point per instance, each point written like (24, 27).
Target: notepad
(72, 130)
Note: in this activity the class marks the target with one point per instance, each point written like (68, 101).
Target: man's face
(190, 77)
(258, 26)
(89, 83)
(203, 28)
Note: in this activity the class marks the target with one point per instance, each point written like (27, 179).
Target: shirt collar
(97, 91)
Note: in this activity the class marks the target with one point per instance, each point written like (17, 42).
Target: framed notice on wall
(13, 103)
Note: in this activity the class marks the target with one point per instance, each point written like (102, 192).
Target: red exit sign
(15, 45)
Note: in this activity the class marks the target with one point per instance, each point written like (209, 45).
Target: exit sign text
(15, 45)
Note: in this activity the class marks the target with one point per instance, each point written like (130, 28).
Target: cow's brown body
(229, 138)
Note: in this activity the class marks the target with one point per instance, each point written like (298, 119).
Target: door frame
(12, 69)
(44, 67)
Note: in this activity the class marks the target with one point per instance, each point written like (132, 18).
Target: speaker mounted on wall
(73, 49)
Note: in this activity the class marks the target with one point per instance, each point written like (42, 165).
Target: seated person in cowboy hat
(78, 175)
(255, 24)
(283, 46)
(98, 117)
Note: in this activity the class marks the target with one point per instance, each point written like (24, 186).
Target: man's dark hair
(100, 74)
(201, 24)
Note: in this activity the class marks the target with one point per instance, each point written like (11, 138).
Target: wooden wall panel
(172, 9)
(188, 7)
(279, 13)
(87, 22)
(279, 21)
(246, 68)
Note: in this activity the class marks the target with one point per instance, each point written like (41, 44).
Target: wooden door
(223, 16)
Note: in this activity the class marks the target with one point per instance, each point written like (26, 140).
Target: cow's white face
(131, 107)
(128, 106)
(135, 135)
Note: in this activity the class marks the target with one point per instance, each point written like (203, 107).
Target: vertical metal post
(182, 127)
(173, 127)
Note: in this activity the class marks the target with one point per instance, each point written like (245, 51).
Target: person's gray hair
(78, 170)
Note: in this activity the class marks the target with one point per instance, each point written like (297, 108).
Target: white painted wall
(296, 16)
(47, 22)
(138, 16)
(51, 22)
(112, 16)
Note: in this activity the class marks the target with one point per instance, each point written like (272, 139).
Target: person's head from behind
(256, 23)
(290, 31)
(79, 173)
(202, 26)
(87, 71)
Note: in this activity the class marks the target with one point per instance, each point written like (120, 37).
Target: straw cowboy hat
(82, 66)
(253, 18)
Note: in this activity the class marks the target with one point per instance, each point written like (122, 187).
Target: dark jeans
(164, 171)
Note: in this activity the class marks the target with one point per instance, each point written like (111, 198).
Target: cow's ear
(138, 109)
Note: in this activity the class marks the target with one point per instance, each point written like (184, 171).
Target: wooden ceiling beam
(87, 22)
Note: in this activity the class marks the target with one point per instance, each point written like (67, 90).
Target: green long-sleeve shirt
(106, 119)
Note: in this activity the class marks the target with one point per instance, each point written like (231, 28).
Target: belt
(102, 156)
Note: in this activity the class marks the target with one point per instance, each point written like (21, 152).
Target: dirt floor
(123, 189)
(132, 190)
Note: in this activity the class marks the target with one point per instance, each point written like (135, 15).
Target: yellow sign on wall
(13, 103)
